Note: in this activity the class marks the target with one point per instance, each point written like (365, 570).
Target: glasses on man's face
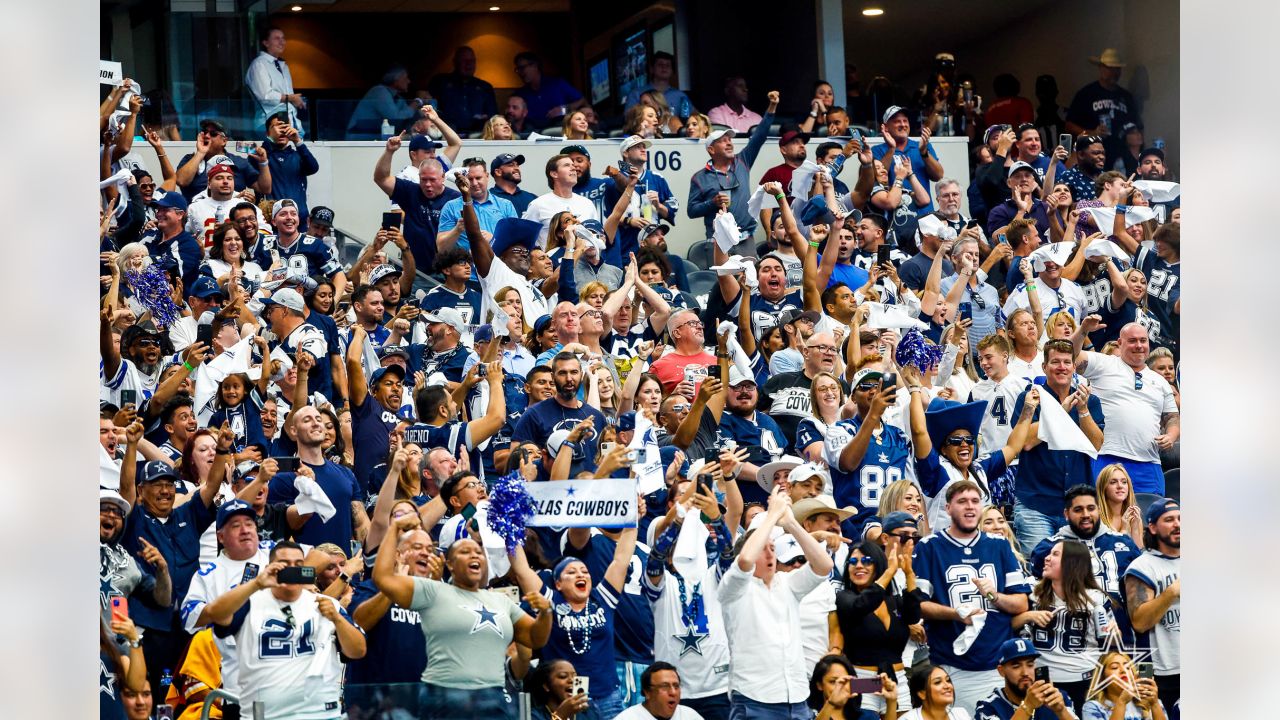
(664, 687)
(144, 186)
(694, 323)
(824, 349)
(959, 440)
(147, 342)
(905, 537)
(592, 313)
(518, 250)
(682, 407)
(111, 509)
(471, 485)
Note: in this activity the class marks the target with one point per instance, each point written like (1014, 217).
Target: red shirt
(670, 368)
(1010, 111)
(780, 174)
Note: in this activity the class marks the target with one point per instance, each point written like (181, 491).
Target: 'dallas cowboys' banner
(584, 503)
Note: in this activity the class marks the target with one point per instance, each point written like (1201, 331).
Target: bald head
(1135, 346)
(820, 353)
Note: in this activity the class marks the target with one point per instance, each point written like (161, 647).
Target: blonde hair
(488, 127)
(704, 122)
(569, 133)
(593, 287)
(1011, 537)
(1104, 476)
(891, 498)
(1054, 318)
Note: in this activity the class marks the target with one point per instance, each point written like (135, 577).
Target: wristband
(187, 365)
(814, 244)
(813, 113)
(780, 197)
(1031, 286)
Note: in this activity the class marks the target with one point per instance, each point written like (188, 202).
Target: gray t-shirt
(467, 634)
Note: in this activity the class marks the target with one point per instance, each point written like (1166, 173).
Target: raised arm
(381, 518)
(919, 432)
(1019, 435)
(1120, 230)
(689, 426)
(495, 413)
(1119, 287)
(758, 136)
(357, 386)
(452, 143)
(187, 172)
(620, 207)
(779, 505)
(399, 588)
(481, 250)
(224, 607)
(616, 573)
(933, 282)
(382, 176)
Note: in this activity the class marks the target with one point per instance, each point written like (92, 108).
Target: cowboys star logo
(1115, 644)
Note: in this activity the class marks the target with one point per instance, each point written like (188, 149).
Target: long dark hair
(918, 683)
(1076, 570)
(879, 562)
(817, 698)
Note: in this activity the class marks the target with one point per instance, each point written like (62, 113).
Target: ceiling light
(872, 12)
(296, 8)
(494, 8)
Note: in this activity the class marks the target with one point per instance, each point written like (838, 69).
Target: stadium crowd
(897, 461)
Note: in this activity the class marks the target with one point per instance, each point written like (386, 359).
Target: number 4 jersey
(884, 463)
(945, 570)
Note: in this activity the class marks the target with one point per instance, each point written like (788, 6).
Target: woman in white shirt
(932, 694)
(228, 254)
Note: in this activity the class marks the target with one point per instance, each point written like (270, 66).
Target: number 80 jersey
(884, 463)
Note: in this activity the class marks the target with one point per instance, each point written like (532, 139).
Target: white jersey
(205, 214)
(701, 652)
(214, 579)
(998, 421)
(1072, 642)
(1067, 296)
(1025, 369)
(639, 712)
(1159, 571)
(544, 207)
(814, 629)
(288, 661)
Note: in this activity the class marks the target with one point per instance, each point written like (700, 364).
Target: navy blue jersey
(450, 363)
(1117, 317)
(1043, 474)
(371, 426)
(809, 430)
(451, 436)
(998, 707)
(633, 633)
(932, 478)
(178, 540)
(421, 218)
(467, 303)
(312, 338)
(397, 649)
(627, 239)
(339, 484)
(543, 418)
(594, 189)
(320, 258)
(585, 638)
(245, 421)
(761, 430)
(765, 313)
(884, 463)
(1163, 291)
(181, 253)
(945, 568)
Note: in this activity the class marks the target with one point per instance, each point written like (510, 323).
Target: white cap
(717, 134)
(786, 549)
(449, 316)
(632, 141)
(737, 377)
(764, 476)
(111, 496)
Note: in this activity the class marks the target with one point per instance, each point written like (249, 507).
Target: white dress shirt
(269, 80)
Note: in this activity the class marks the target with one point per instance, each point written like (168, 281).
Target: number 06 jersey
(945, 570)
(288, 660)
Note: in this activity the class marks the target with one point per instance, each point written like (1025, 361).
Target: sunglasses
(147, 342)
(864, 560)
(905, 537)
(863, 387)
(962, 440)
(680, 408)
(143, 186)
(110, 508)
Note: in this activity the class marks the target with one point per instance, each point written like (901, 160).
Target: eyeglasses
(962, 440)
(825, 349)
(666, 686)
(592, 313)
(695, 323)
(471, 485)
(864, 560)
(288, 616)
(147, 342)
(110, 508)
(143, 186)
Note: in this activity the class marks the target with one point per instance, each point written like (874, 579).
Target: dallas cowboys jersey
(319, 258)
(1112, 553)
(765, 313)
(214, 579)
(467, 302)
(884, 463)
(288, 660)
(1071, 643)
(945, 569)
(700, 650)
(1163, 290)
(998, 421)
(1159, 571)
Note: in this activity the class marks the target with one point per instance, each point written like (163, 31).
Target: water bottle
(945, 127)
(386, 129)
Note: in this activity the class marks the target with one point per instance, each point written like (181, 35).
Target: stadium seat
(701, 254)
(689, 268)
(701, 282)
(1144, 501)
(1173, 484)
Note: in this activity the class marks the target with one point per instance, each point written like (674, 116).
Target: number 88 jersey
(884, 463)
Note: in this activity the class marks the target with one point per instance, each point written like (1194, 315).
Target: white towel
(971, 632)
(495, 548)
(1058, 431)
(1105, 217)
(312, 499)
(1054, 252)
(108, 470)
(895, 317)
(209, 375)
(1158, 191)
(802, 178)
(499, 322)
(761, 200)
(726, 231)
(690, 553)
(1106, 249)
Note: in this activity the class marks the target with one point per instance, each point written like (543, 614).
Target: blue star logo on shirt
(690, 641)
(884, 458)
(484, 618)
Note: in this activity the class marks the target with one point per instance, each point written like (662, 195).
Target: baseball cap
(208, 124)
(448, 316)
(808, 471)
(627, 421)
(632, 141)
(891, 111)
(897, 520)
(387, 351)
(383, 271)
(1021, 166)
(281, 205)
(792, 135)
(737, 377)
(865, 374)
(819, 505)
(795, 314)
(223, 167)
(322, 214)
(233, 508)
(652, 228)
(484, 333)
(158, 470)
(287, 298)
(571, 149)
(244, 469)
(204, 287)
(505, 158)
(113, 497)
(1151, 151)
(1017, 648)
(717, 134)
(1157, 509)
(423, 142)
(944, 58)
(382, 371)
(172, 200)
(786, 549)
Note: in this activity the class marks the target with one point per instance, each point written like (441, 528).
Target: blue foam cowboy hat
(944, 417)
(510, 232)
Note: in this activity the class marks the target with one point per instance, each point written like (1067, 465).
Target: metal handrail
(216, 694)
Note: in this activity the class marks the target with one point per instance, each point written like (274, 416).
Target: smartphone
(889, 380)
(250, 572)
(1064, 141)
(204, 334)
(119, 608)
(973, 222)
(580, 685)
(624, 167)
(1146, 670)
(706, 480)
(882, 255)
(468, 512)
(391, 220)
(1042, 674)
(512, 593)
(164, 712)
(413, 303)
(245, 148)
(607, 447)
(1002, 239)
(966, 311)
(297, 575)
(633, 455)
(482, 371)
(865, 686)
(128, 397)
(289, 463)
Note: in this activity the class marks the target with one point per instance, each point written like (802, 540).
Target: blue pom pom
(510, 507)
(913, 350)
(151, 288)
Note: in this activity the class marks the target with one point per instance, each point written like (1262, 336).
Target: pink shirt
(724, 115)
(670, 368)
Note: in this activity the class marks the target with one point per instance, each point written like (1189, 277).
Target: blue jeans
(742, 707)
(711, 707)
(605, 708)
(629, 682)
(443, 703)
(1147, 477)
(1031, 526)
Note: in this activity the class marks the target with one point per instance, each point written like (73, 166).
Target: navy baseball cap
(380, 372)
(245, 469)
(484, 333)
(897, 520)
(571, 149)
(1015, 649)
(423, 142)
(233, 508)
(627, 421)
(172, 200)
(158, 470)
(387, 351)
(505, 158)
(322, 214)
(204, 288)
(1157, 509)
(541, 324)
